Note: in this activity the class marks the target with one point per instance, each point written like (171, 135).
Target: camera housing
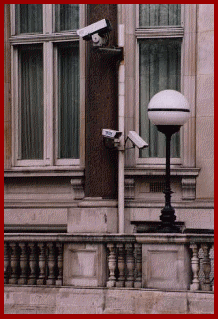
(111, 138)
(101, 28)
(136, 140)
(112, 134)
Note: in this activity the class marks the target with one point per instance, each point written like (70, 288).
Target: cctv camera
(101, 27)
(111, 138)
(112, 134)
(136, 140)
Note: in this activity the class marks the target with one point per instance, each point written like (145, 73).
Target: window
(46, 84)
(159, 36)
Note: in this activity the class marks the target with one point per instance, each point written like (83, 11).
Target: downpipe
(121, 121)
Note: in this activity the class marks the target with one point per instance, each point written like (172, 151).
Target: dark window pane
(31, 102)
(28, 18)
(68, 100)
(151, 15)
(66, 17)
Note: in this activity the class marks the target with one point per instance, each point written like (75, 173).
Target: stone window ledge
(44, 172)
(154, 170)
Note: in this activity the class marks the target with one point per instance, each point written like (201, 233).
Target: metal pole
(168, 213)
(167, 186)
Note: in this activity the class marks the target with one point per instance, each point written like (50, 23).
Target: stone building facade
(76, 225)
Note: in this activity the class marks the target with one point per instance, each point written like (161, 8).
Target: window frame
(48, 39)
(155, 32)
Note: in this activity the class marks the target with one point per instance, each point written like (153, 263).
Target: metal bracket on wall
(112, 52)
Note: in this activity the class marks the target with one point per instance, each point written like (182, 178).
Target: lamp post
(168, 110)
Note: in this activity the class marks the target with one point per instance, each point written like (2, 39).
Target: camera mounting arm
(98, 33)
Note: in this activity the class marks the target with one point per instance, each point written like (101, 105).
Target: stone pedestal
(84, 265)
(165, 261)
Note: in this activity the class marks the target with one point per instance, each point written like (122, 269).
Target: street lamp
(168, 110)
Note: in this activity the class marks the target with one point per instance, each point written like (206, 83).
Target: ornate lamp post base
(168, 221)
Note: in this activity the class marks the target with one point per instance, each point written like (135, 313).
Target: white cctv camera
(100, 28)
(111, 138)
(112, 134)
(136, 140)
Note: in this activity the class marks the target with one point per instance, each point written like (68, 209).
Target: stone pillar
(101, 109)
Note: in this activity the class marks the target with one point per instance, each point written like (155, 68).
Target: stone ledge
(105, 301)
(44, 172)
(197, 204)
(70, 237)
(160, 170)
(113, 237)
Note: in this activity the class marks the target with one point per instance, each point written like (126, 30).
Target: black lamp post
(168, 110)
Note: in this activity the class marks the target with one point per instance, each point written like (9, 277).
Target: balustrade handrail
(104, 238)
(174, 238)
(68, 237)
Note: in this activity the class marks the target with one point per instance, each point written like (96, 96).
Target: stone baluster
(6, 263)
(111, 265)
(130, 263)
(206, 285)
(195, 264)
(32, 264)
(59, 247)
(138, 266)
(51, 264)
(42, 264)
(121, 266)
(212, 248)
(23, 264)
(14, 264)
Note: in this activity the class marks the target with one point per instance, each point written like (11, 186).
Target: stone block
(79, 301)
(20, 310)
(170, 303)
(205, 181)
(205, 138)
(48, 298)
(165, 266)
(45, 310)
(76, 310)
(205, 96)
(35, 216)
(16, 298)
(205, 17)
(200, 303)
(119, 301)
(205, 63)
(193, 216)
(92, 220)
(159, 302)
(84, 265)
(197, 218)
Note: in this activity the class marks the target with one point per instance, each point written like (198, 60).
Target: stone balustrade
(33, 263)
(202, 264)
(125, 265)
(41, 259)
